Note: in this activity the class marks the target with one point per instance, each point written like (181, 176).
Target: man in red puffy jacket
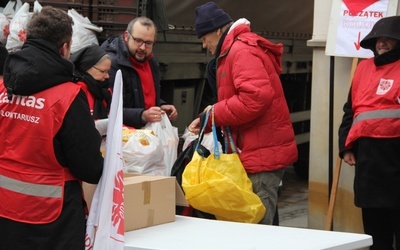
(250, 99)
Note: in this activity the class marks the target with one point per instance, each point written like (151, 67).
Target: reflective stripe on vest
(26, 188)
(384, 113)
(375, 124)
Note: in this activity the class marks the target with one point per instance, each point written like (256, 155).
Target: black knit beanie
(87, 57)
(209, 18)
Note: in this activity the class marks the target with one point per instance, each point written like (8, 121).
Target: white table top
(189, 233)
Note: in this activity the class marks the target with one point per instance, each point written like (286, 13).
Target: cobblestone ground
(292, 203)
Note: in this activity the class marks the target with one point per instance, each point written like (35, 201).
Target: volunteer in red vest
(369, 136)
(49, 141)
(92, 63)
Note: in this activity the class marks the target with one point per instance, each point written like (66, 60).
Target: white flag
(105, 225)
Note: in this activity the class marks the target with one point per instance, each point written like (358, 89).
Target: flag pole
(336, 176)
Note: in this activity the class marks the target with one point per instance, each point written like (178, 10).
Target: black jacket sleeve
(133, 117)
(77, 144)
(345, 126)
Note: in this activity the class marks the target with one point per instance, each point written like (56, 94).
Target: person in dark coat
(3, 56)
(132, 53)
(49, 141)
(369, 135)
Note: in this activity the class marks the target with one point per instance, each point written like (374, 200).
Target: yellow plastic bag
(220, 186)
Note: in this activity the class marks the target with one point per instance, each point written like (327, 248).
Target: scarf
(102, 96)
(388, 57)
(212, 67)
(147, 82)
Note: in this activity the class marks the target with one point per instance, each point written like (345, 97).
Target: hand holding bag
(169, 138)
(219, 185)
(207, 140)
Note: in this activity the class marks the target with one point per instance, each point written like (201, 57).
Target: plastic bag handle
(201, 135)
(231, 141)
(228, 136)
(214, 132)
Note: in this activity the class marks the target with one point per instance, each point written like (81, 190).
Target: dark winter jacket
(133, 98)
(38, 66)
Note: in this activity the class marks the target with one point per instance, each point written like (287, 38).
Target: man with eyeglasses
(132, 53)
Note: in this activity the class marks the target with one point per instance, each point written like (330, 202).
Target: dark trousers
(384, 226)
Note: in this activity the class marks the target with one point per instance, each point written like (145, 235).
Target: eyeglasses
(139, 42)
(101, 71)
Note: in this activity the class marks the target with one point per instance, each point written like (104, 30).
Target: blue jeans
(266, 185)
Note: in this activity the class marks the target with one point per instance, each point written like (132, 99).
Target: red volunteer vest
(31, 179)
(90, 96)
(376, 101)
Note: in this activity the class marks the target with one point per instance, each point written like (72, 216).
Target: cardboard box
(150, 200)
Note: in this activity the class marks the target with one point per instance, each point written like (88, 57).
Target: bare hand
(194, 127)
(152, 114)
(171, 111)
(349, 158)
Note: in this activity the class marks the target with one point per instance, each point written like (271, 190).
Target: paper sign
(356, 6)
(351, 21)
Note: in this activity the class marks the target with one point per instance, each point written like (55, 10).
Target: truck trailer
(183, 60)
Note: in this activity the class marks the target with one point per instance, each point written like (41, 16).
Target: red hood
(243, 32)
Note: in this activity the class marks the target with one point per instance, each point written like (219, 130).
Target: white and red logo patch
(384, 86)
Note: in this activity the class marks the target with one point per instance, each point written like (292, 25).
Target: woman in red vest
(92, 63)
(369, 136)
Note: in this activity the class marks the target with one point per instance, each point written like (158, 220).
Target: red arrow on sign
(357, 44)
(356, 6)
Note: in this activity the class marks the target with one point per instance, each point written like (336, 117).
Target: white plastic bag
(83, 33)
(207, 142)
(4, 28)
(101, 126)
(12, 8)
(168, 135)
(17, 36)
(143, 154)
